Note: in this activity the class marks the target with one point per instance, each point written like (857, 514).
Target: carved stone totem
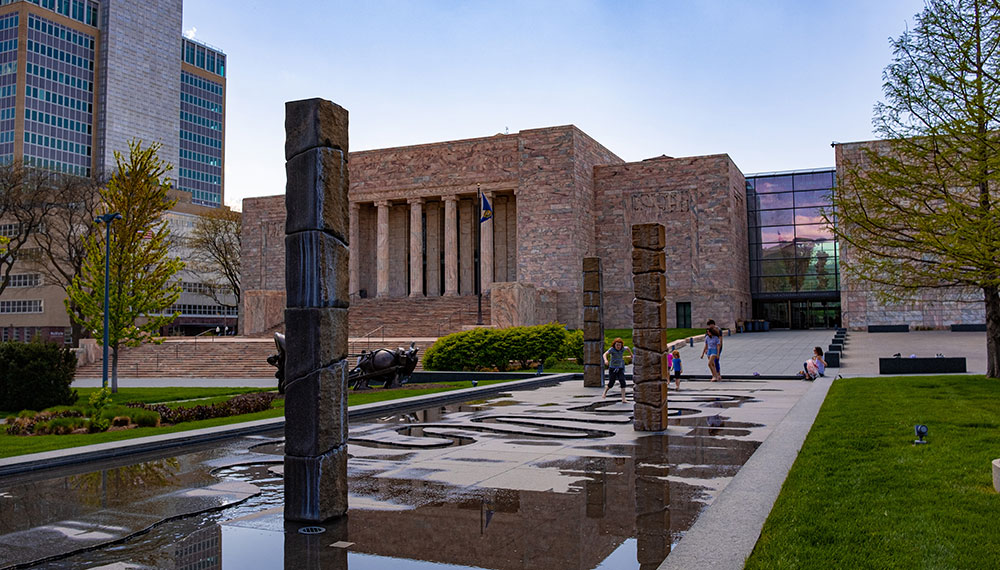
(593, 323)
(316, 281)
(649, 321)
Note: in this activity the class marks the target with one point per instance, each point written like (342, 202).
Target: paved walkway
(773, 353)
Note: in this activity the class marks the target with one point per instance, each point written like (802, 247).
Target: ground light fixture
(920, 430)
(106, 219)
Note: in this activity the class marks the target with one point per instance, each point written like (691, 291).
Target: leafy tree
(920, 209)
(141, 271)
(215, 250)
(25, 204)
(63, 243)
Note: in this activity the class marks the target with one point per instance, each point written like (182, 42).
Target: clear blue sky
(771, 83)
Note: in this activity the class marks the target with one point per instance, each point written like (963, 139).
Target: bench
(888, 328)
(921, 365)
(832, 359)
(836, 347)
(969, 328)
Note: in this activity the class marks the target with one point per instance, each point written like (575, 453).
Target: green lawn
(861, 495)
(11, 445)
(626, 335)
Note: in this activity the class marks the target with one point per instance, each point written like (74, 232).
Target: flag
(486, 209)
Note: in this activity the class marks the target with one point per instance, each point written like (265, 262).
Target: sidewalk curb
(724, 535)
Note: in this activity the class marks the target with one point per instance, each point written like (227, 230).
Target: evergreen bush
(496, 349)
(35, 375)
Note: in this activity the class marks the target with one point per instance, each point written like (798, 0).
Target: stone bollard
(996, 475)
(649, 323)
(316, 281)
(593, 323)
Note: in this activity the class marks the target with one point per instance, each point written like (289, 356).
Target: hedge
(489, 349)
(34, 376)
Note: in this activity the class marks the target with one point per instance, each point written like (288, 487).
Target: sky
(771, 83)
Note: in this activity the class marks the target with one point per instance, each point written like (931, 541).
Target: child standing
(616, 366)
(677, 369)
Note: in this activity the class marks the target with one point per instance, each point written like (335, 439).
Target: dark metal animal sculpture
(393, 367)
(278, 360)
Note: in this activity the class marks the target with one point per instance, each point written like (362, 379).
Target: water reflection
(562, 487)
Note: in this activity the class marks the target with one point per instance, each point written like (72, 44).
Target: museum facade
(739, 247)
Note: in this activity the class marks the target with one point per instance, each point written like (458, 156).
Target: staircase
(422, 317)
(221, 357)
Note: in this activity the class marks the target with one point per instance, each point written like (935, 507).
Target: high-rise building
(79, 79)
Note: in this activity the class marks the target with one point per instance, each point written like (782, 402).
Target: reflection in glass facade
(202, 122)
(794, 257)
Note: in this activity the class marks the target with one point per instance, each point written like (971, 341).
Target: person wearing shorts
(614, 359)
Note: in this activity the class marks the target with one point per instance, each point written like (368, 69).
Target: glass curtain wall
(794, 257)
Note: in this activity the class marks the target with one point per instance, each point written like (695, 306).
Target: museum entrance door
(787, 314)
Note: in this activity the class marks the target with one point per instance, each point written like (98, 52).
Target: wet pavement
(552, 477)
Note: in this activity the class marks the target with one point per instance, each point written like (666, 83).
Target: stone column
(451, 245)
(649, 321)
(316, 284)
(355, 238)
(485, 249)
(416, 247)
(382, 250)
(593, 323)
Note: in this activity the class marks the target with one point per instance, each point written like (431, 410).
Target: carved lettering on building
(660, 203)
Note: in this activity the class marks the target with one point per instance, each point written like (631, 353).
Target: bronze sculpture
(390, 366)
(393, 367)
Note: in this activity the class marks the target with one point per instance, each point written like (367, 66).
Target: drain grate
(312, 530)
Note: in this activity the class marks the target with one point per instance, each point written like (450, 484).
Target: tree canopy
(918, 209)
(215, 250)
(141, 270)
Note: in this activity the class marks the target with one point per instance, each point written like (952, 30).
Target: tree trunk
(992, 298)
(114, 369)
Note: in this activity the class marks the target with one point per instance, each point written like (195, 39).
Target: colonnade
(424, 246)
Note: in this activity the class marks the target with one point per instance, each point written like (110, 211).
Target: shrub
(121, 421)
(145, 418)
(488, 349)
(573, 347)
(36, 375)
(235, 406)
(65, 425)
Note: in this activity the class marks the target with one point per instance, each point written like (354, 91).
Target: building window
(25, 280)
(21, 306)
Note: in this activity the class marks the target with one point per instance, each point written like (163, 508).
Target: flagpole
(479, 256)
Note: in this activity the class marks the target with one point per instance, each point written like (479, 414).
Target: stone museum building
(739, 247)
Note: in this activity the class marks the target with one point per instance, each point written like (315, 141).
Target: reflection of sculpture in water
(393, 367)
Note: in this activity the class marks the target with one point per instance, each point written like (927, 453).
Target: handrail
(372, 332)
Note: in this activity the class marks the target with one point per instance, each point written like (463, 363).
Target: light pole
(107, 219)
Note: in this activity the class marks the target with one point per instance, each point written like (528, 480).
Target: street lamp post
(107, 219)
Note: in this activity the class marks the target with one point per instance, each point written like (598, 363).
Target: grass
(861, 495)
(12, 445)
(626, 335)
(161, 395)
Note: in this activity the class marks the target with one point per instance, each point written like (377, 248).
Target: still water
(541, 478)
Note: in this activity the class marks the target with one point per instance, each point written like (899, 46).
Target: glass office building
(794, 281)
(203, 96)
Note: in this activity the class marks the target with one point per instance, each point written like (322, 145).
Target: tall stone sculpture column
(593, 323)
(451, 245)
(382, 249)
(649, 321)
(316, 281)
(416, 247)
